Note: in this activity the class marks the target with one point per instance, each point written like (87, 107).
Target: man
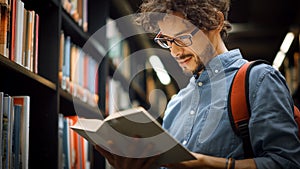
(193, 31)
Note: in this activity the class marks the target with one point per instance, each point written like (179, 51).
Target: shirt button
(216, 71)
(192, 112)
(184, 142)
(200, 83)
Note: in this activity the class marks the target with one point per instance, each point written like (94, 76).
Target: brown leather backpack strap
(239, 111)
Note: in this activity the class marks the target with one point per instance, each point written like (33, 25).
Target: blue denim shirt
(198, 117)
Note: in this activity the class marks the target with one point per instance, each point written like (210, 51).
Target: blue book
(7, 132)
(16, 136)
(24, 129)
(66, 64)
(66, 144)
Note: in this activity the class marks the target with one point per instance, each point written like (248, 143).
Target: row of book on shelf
(78, 11)
(74, 150)
(19, 30)
(14, 117)
(78, 71)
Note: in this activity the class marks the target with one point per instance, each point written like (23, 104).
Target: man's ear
(221, 20)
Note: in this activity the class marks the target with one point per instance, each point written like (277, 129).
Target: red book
(74, 144)
(82, 152)
(86, 71)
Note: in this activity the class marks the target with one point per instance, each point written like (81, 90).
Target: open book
(119, 132)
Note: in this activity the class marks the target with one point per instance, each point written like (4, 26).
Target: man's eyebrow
(178, 33)
(181, 32)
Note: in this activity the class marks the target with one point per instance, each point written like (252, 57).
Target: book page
(133, 127)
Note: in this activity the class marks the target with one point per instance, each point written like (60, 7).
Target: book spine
(16, 136)
(1, 125)
(28, 53)
(36, 43)
(61, 58)
(19, 32)
(66, 144)
(7, 132)
(12, 29)
(24, 37)
(66, 64)
(60, 141)
(4, 12)
(24, 132)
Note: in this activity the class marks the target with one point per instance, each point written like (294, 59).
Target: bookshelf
(47, 99)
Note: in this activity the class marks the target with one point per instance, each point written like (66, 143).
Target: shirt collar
(218, 63)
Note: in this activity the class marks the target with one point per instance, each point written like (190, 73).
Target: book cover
(24, 125)
(123, 128)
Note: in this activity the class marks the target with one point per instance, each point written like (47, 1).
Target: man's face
(191, 57)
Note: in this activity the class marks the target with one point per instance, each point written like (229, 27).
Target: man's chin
(187, 72)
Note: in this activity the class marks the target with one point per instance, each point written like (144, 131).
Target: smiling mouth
(185, 60)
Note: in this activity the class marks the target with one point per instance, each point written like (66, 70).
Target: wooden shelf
(47, 99)
(19, 75)
(71, 28)
(71, 106)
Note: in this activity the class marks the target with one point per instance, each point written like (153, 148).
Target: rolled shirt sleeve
(273, 131)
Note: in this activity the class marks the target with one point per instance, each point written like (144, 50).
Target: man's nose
(176, 51)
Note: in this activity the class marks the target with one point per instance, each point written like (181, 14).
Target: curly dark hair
(201, 13)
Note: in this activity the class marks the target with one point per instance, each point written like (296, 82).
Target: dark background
(259, 28)
(261, 25)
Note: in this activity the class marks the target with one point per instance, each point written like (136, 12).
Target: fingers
(150, 162)
(106, 154)
(138, 155)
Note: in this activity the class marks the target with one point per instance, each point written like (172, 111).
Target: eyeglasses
(181, 40)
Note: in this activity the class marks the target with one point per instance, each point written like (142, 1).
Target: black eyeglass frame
(158, 40)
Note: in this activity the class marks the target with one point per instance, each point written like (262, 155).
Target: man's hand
(210, 162)
(120, 161)
(198, 163)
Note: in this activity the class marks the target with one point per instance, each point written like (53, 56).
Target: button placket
(188, 127)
